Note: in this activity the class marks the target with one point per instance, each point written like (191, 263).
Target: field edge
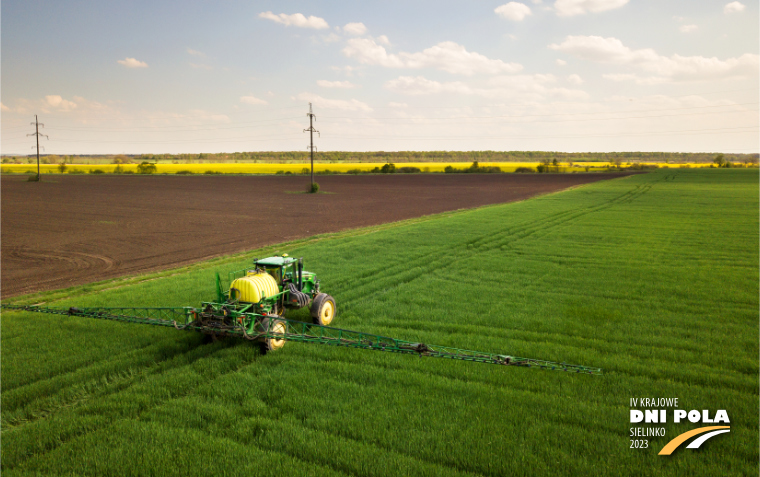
(50, 296)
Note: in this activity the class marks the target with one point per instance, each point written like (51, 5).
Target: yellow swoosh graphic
(680, 439)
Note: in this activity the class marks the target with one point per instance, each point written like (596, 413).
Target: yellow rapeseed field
(250, 168)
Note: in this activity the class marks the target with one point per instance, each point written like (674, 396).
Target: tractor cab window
(290, 273)
(275, 272)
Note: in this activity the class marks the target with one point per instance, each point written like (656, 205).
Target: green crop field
(653, 278)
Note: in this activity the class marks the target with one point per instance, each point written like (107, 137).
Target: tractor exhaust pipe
(300, 274)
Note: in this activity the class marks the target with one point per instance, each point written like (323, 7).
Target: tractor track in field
(355, 437)
(164, 365)
(72, 230)
(110, 382)
(404, 273)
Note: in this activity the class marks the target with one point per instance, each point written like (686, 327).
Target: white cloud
(320, 102)
(133, 63)
(568, 8)
(522, 80)
(561, 62)
(619, 77)
(453, 58)
(368, 52)
(537, 2)
(331, 38)
(348, 70)
(596, 48)
(529, 88)
(665, 69)
(4, 108)
(201, 66)
(383, 39)
(355, 28)
(394, 104)
(335, 84)
(251, 100)
(525, 87)
(94, 106)
(447, 56)
(202, 114)
(687, 28)
(208, 116)
(57, 102)
(514, 11)
(575, 79)
(296, 19)
(195, 53)
(24, 106)
(418, 85)
(733, 7)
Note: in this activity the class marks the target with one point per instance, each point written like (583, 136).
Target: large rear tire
(323, 309)
(277, 326)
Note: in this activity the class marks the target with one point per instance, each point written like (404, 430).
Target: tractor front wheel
(276, 326)
(323, 309)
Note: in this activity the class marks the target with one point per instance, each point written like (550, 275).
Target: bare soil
(70, 230)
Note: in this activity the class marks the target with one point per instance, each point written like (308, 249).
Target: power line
(521, 116)
(239, 139)
(142, 118)
(37, 135)
(171, 116)
(179, 141)
(742, 129)
(312, 117)
(189, 127)
(643, 133)
(181, 128)
(566, 102)
(416, 120)
(387, 136)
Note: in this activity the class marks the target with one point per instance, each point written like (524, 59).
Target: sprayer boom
(273, 331)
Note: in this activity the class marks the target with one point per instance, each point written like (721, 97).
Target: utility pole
(312, 117)
(36, 133)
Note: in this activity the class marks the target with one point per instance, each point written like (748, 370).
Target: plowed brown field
(69, 230)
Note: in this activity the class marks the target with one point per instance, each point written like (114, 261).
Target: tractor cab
(283, 269)
(288, 273)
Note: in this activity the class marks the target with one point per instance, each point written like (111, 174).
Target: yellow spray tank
(254, 287)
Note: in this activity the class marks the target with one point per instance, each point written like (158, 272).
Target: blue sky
(564, 75)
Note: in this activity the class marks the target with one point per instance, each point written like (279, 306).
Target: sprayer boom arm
(189, 318)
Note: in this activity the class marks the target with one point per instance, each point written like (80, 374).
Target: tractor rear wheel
(277, 326)
(323, 309)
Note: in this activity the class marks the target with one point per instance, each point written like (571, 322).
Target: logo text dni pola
(655, 414)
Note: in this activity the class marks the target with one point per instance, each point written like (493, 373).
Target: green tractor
(273, 285)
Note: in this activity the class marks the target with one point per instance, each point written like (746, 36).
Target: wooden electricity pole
(312, 117)
(36, 133)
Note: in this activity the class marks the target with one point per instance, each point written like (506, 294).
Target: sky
(231, 76)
